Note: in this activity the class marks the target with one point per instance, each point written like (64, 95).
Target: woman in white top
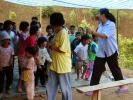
(108, 49)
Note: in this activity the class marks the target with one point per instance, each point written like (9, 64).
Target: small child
(74, 44)
(92, 49)
(6, 60)
(28, 72)
(43, 57)
(81, 53)
(24, 28)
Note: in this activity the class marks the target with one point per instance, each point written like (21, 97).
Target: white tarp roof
(110, 4)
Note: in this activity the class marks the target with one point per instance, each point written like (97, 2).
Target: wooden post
(96, 95)
(41, 15)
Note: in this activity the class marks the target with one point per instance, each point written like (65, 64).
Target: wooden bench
(97, 88)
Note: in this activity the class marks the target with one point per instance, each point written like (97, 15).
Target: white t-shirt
(44, 56)
(6, 56)
(82, 51)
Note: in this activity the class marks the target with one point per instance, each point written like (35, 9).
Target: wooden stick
(96, 95)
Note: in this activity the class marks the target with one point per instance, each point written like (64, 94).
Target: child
(92, 49)
(74, 44)
(28, 72)
(6, 58)
(72, 33)
(43, 57)
(32, 39)
(24, 28)
(50, 32)
(81, 53)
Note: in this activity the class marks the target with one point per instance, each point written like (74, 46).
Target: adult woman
(59, 73)
(108, 49)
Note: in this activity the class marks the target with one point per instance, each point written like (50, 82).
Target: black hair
(107, 14)
(78, 33)
(32, 50)
(82, 28)
(49, 27)
(41, 40)
(6, 25)
(34, 18)
(72, 26)
(33, 29)
(85, 37)
(57, 19)
(35, 23)
(23, 25)
(1, 26)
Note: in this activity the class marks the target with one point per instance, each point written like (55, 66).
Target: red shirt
(31, 41)
(21, 44)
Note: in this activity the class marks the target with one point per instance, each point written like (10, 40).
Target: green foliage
(47, 11)
(73, 18)
(12, 15)
(84, 24)
(126, 52)
(92, 13)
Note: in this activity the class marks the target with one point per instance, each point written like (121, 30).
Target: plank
(105, 85)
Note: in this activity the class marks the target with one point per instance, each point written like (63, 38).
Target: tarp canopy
(110, 4)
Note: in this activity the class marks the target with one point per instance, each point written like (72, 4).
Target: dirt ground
(107, 94)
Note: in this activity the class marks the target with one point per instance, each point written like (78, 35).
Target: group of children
(84, 47)
(34, 56)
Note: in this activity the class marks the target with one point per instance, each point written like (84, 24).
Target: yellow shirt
(62, 58)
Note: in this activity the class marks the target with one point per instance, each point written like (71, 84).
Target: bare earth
(107, 94)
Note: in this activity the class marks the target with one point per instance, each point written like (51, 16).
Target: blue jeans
(54, 81)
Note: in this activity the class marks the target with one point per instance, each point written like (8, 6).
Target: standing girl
(24, 28)
(28, 72)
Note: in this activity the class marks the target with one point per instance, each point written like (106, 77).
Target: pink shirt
(6, 56)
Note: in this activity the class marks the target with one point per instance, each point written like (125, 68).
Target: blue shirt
(108, 46)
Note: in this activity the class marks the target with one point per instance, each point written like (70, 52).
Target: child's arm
(48, 58)
(76, 50)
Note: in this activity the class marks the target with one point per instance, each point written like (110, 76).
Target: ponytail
(107, 14)
(110, 17)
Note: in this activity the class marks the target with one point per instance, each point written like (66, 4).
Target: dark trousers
(8, 73)
(99, 68)
(41, 74)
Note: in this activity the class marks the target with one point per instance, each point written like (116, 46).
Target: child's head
(8, 25)
(24, 26)
(34, 18)
(35, 23)
(81, 30)
(78, 35)
(49, 30)
(34, 30)
(85, 39)
(5, 40)
(72, 29)
(30, 51)
(42, 42)
(95, 38)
